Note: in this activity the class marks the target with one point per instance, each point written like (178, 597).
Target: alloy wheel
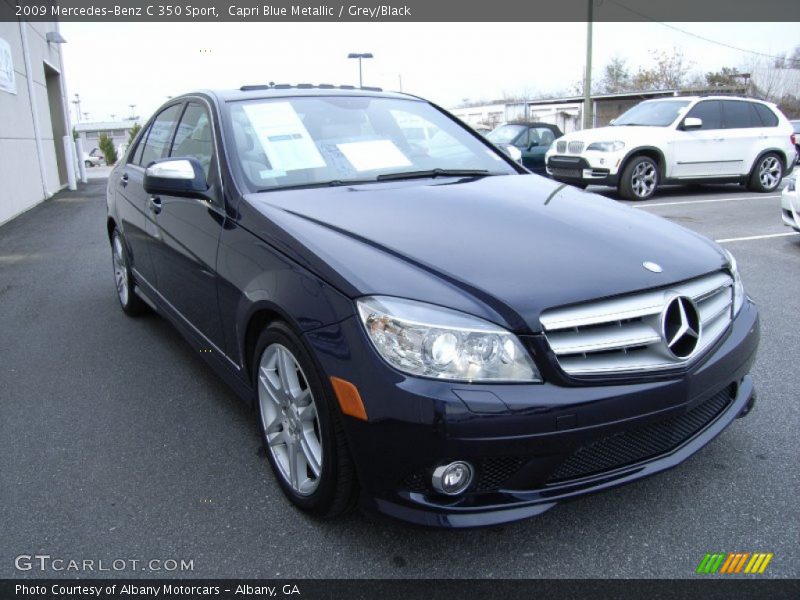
(289, 419)
(643, 179)
(769, 172)
(120, 270)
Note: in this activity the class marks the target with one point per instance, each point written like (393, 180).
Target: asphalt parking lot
(118, 443)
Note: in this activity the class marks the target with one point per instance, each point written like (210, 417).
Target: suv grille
(625, 334)
(636, 445)
(575, 147)
(561, 147)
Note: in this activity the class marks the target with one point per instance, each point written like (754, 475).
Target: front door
(703, 153)
(189, 229)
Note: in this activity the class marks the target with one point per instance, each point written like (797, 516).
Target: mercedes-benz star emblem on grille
(680, 327)
(652, 267)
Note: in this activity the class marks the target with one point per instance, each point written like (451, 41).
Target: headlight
(431, 341)
(606, 146)
(738, 287)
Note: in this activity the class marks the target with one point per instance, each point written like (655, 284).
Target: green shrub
(106, 145)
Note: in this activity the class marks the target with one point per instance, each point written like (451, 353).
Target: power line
(695, 35)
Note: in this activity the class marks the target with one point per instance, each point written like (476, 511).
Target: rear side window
(193, 136)
(158, 140)
(710, 112)
(766, 116)
(739, 115)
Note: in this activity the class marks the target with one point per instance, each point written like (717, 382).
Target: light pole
(77, 103)
(359, 56)
(587, 84)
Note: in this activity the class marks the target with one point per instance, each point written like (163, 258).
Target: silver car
(790, 205)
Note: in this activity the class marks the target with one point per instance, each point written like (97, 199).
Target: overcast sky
(113, 65)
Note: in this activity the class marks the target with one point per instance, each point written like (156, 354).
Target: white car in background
(93, 158)
(790, 205)
(713, 139)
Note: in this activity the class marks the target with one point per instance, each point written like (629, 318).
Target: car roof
(255, 92)
(710, 97)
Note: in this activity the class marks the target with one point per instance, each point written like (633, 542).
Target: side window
(546, 136)
(136, 155)
(523, 139)
(709, 111)
(738, 115)
(768, 118)
(158, 139)
(193, 136)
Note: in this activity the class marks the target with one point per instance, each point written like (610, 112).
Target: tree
(725, 76)
(106, 145)
(133, 132)
(670, 71)
(616, 77)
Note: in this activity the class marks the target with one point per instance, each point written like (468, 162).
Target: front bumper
(530, 444)
(790, 208)
(599, 168)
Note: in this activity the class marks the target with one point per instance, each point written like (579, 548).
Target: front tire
(639, 179)
(131, 304)
(767, 173)
(301, 426)
(87, 164)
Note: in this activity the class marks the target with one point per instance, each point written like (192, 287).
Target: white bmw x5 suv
(713, 139)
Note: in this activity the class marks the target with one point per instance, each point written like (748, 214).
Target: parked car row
(676, 140)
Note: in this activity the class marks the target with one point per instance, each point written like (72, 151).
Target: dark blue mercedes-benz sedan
(425, 328)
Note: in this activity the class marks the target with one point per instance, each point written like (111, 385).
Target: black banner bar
(303, 589)
(398, 10)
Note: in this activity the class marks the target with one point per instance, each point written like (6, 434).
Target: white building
(118, 131)
(36, 150)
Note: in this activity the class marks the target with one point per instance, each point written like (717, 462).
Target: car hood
(503, 247)
(614, 133)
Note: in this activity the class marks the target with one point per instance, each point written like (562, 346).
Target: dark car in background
(423, 327)
(531, 139)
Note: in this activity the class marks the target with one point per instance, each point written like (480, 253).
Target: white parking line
(756, 237)
(731, 199)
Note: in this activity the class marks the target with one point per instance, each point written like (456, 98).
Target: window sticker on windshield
(373, 154)
(284, 138)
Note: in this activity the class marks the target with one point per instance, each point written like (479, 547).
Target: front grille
(575, 147)
(624, 334)
(637, 445)
(561, 147)
(567, 173)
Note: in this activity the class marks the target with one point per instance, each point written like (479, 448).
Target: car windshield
(653, 113)
(505, 134)
(330, 140)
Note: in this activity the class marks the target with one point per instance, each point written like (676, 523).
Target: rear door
(132, 201)
(189, 230)
(743, 134)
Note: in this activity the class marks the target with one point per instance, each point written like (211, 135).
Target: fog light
(452, 479)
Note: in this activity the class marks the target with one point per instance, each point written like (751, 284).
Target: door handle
(155, 204)
(124, 179)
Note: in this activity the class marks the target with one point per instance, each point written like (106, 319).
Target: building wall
(21, 185)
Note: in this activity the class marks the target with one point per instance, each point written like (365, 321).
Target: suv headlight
(738, 287)
(606, 146)
(432, 341)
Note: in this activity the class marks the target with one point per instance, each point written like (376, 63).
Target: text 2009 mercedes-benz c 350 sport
(424, 328)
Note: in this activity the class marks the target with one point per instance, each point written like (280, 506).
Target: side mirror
(692, 123)
(511, 151)
(182, 177)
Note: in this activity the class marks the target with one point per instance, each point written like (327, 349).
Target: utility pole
(359, 56)
(400, 79)
(132, 107)
(77, 103)
(587, 84)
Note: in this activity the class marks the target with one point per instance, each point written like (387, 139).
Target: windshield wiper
(317, 184)
(436, 173)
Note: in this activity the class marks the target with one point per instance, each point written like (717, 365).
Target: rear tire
(639, 179)
(301, 426)
(87, 163)
(767, 173)
(132, 304)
